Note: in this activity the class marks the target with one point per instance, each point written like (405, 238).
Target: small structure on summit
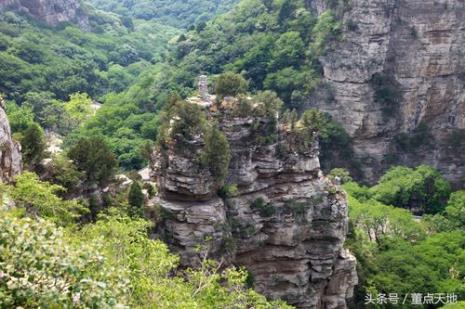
(203, 88)
(204, 98)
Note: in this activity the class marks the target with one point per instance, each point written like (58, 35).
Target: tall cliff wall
(10, 150)
(53, 12)
(286, 223)
(398, 77)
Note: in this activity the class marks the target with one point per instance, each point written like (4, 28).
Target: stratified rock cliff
(10, 150)
(397, 74)
(53, 12)
(282, 219)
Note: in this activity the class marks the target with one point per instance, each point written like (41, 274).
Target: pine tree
(94, 157)
(217, 155)
(136, 200)
(33, 145)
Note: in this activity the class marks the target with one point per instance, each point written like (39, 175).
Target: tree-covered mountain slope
(177, 13)
(65, 60)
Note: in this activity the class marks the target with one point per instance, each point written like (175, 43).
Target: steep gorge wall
(52, 12)
(10, 150)
(416, 46)
(286, 224)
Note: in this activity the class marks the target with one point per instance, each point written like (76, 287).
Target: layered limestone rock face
(417, 45)
(53, 12)
(286, 222)
(10, 150)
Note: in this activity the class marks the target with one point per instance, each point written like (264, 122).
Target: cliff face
(286, 223)
(406, 57)
(10, 151)
(53, 12)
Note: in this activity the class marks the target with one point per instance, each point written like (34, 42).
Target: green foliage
(264, 209)
(109, 264)
(33, 145)
(410, 142)
(62, 171)
(41, 269)
(455, 209)
(435, 264)
(325, 29)
(313, 121)
(422, 189)
(230, 84)
(228, 190)
(266, 42)
(129, 120)
(181, 122)
(386, 93)
(67, 60)
(176, 13)
(79, 108)
(268, 103)
(20, 118)
(94, 158)
(136, 200)
(41, 199)
(216, 154)
(342, 174)
(379, 221)
(399, 252)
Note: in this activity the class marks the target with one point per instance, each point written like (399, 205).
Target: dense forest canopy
(178, 13)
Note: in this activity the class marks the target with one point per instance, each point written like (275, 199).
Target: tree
(94, 157)
(33, 145)
(455, 209)
(20, 117)
(136, 200)
(230, 84)
(325, 28)
(217, 154)
(421, 190)
(288, 51)
(42, 268)
(313, 121)
(79, 108)
(38, 103)
(285, 11)
(40, 199)
(62, 171)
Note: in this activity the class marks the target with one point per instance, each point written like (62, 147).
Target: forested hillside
(178, 13)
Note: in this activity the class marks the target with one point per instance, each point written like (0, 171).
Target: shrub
(216, 154)
(228, 190)
(264, 209)
(410, 142)
(94, 157)
(230, 84)
(39, 268)
(40, 199)
(33, 145)
(342, 174)
(422, 189)
(136, 200)
(386, 93)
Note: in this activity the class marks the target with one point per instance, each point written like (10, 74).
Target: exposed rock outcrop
(283, 220)
(417, 47)
(10, 150)
(52, 12)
